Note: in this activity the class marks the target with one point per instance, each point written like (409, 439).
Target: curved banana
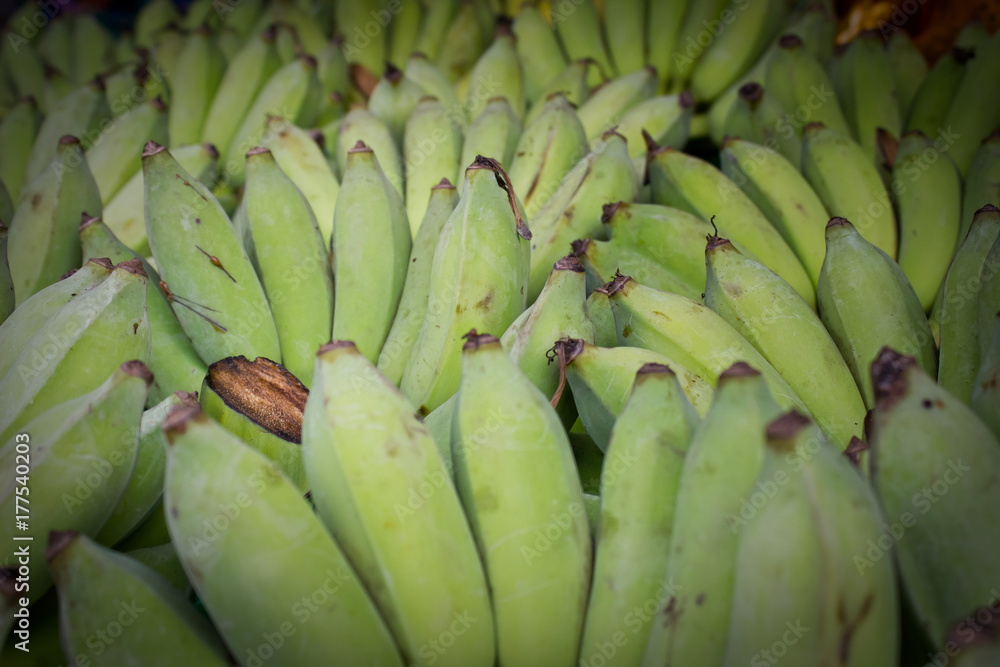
(404, 31)
(800, 84)
(435, 26)
(986, 392)
(198, 72)
(537, 551)
(497, 73)
(982, 183)
(394, 99)
(570, 82)
(624, 30)
(757, 117)
(971, 116)
(113, 159)
(538, 49)
(603, 260)
(664, 120)
(362, 125)
(361, 46)
(462, 44)
(606, 105)
(432, 147)
(579, 28)
(909, 69)
(493, 133)
(663, 24)
(17, 135)
(223, 500)
(422, 71)
(702, 21)
(929, 107)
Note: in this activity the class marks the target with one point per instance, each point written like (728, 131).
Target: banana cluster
(483, 332)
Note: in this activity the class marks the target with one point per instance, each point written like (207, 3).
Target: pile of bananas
(309, 359)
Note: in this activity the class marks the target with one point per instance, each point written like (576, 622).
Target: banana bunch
(497, 332)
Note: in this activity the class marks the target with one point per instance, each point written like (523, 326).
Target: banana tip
(740, 369)
(475, 340)
(782, 431)
(136, 368)
(751, 92)
(59, 541)
(177, 419)
(888, 373)
(86, 220)
(617, 284)
(336, 345)
(444, 184)
(133, 266)
(580, 247)
(68, 140)
(608, 210)
(838, 222)
(855, 448)
(789, 41)
(568, 263)
(152, 148)
(653, 368)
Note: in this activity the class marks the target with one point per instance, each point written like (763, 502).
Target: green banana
(332, 68)
(199, 70)
(625, 31)
(225, 500)
(145, 486)
(603, 260)
(369, 260)
(393, 100)
(260, 402)
(133, 84)
(153, 17)
(55, 44)
(989, 297)
(363, 125)
(605, 106)
(797, 80)
(807, 593)
(424, 73)
(432, 147)
(960, 343)
(972, 114)
(664, 120)
(243, 80)
(93, 48)
(570, 83)
(982, 183)
(778, 189)
(461, 45)
(173, 360)
(909, 69)
(206, 275)
(469, 289)
(932, 460)
(495, 133)
(601, 379)
(757, 117)
(641, 471)
(57, 87)
(663, 24)
(574, 209)
(413, 302)
(6, 282)
(17, 134)
(538, 578)
(375, 497)
(42, 244)
(538, 50)
(929, 200)
(81, 456)
(929, 107)
(113, 158)
(27, 319)
(6, 208)
(28, 73)
(866, 302)
(158, 624)
(125, 213)
(497, 73)
(696, 186)
(579, 29)
(84, 113)
(722, 462)
(291, 261)
(547, 150)
(435, 25)
(688, 333)
(767, 312)
(986, 392)
(353, 19)
(163, 560)
(293, 92)
(404, 31)
(848, 184)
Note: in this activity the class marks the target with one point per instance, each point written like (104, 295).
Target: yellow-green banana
(579, 28)
(663, 24)
(972, 114)
(362, 125)
(433, 150)
(664, 120)
(538, 49)
(493, 133)
(797, 80)
(604, 108)
(198, 72)
(603, 260)
(570, 82)
(6, 283)
(17, 135)
(624, 27)
(115, 157)
(426, 74)
(756, 116)
(982, 183)
(435, 26)
(986, 392)
(394, 99)
(929, 108)
(909, 69)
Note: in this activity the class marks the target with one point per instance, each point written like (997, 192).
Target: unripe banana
(42, 244)
(404, 31)
(639, 481)
(362, 125)
(57, 87)
(989, 297)
(145, 486)
(466, 289)
(546, 152)
(369, 259)
(260, 402)
(394, 99)
(570, 82)
(929, 108)
(332, 68)
(206, 275)
(929, 200)
(777, 188)
(574, 209)
(27, 319)
(6, 283)
(932, 462)
(663, 23)
(538, 578)
(244, 78)
(365, 494)
(424, 73)
(93, 48)
(96, 583)
(83, 113)
(579, 30)
(601, 379)
(461, 45)
(494, 132)
(291, 261)
(211, 473)
(538, 50)
(813, 589)
(17, 134)
(756, 116)
(153, 17)
(93, 435)
(304, 163)
(688, 333)
(173, 360)
(768, 313)
(497, 74)
(413, 302)
(6, 210)
(433, 149)
(163, 560)
(199, 70)
(125, 213)
(624, 28)
(866, 303)
(909, 69)
(719, 470)
(133, 84)
(606, 105)
(55, 43)
(603, 260)
(113, 159)
(696, 186)
(797, 80)
(292, 92)
(22, 65)
(982, 184)
(848, 184)
(972, 114)
(986, 392)
(664, 120)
